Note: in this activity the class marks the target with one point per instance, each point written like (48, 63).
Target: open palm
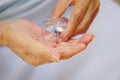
(28, 42)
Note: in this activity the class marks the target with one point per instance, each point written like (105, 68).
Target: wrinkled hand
(26, 40)
(82, 15)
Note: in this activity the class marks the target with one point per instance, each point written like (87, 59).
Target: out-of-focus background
(100, 61)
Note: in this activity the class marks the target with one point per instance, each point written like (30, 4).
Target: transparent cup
(56, 27)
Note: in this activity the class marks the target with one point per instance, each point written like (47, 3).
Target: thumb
(60, 7)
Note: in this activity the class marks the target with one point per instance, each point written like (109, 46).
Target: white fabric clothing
(100, 61)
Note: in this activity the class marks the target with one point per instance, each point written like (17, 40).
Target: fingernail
(65, 38)
(55, 58)
(92, 35)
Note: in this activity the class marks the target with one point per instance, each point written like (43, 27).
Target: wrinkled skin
(26, 40)
(83, 13)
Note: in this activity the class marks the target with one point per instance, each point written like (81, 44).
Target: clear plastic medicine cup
(56, 27)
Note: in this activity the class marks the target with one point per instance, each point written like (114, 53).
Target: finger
(86, 38)
(60, 7)
(77, 15)
(72, 3)
(90, 15)
(77, 46)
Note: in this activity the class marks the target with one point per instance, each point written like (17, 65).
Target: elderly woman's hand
(27, 41)
(82, 15)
